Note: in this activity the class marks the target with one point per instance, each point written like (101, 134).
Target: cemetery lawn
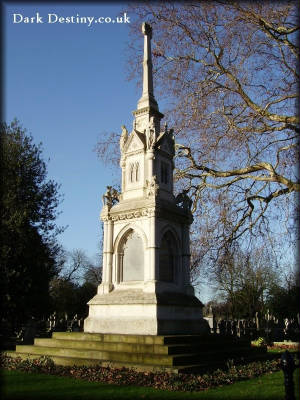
(22, 385)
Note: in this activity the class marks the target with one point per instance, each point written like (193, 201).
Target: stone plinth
(137, 312)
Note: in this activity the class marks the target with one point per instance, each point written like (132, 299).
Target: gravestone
(30, 331)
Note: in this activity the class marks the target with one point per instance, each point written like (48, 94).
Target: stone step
(211, 356)
(156, 359)
(132, 357)
(200, 367)
(78, 361)
(145, 352)
(171, 349)
(205, 340)
(150, 339)
(207, 366)
(99, 345)
(70, 361)
(108, 338)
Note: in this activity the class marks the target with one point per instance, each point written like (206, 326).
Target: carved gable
(135, 142)
(165, 143)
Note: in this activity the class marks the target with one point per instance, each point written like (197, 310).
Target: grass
(21, 385)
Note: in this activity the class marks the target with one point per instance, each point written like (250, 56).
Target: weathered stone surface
(138, 296)
(174, 353)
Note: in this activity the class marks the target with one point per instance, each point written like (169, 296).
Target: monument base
(139, 312)
(173, 353)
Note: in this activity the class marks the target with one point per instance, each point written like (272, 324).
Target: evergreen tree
(28, 249)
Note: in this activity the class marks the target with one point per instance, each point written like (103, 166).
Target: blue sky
(66, 84)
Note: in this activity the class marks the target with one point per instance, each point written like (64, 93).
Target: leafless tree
(244, 279)
(230, 70)
(79, 267)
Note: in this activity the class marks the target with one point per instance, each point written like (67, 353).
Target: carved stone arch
(129, 253)
(124, 230)
(131, 172)
(170, 228)
(137, 171)
(168, 255)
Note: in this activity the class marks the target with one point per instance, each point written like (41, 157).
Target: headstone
(30, 331)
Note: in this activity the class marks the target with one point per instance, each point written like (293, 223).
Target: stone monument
(146, 286)
(145, 315)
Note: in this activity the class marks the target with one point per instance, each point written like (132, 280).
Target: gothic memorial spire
(147, 99)
(147, 106)
(145, 287)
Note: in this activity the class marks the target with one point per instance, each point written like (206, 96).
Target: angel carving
(150, 134)
(152, 186)
(123, 138)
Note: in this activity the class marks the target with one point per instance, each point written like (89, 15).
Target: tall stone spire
(147, 106)
(147, 99)
(145, 289)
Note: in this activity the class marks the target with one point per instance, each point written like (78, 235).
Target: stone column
(186, 256)
(151, 277)
(106, 285)
(150, 158)
(109, 250)
(104, 265)
(123, 164)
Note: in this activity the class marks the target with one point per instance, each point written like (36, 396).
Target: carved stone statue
(123, 138)
(150, 134)
(110, 197)
(115, 196)
(147, 29)
(183, 200)
(106, 198)
(152, 186)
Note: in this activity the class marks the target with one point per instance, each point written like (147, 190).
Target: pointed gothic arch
(131, 173)
(168, 257)
(129, 254)
(137, 171)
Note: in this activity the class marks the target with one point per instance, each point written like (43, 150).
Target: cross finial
(147, 106)
(147, 29)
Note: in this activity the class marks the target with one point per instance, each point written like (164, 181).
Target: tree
(229, 70)
(29, 250)
(283, 299)
(245, 280)
(78, 266)
(70, 298)
(75, 285)
(75, 262)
